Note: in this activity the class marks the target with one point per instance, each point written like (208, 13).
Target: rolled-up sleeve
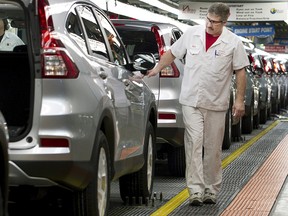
(238, 60)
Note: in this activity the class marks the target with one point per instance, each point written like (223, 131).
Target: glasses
(213, 22)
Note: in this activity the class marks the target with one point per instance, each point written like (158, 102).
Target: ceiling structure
(281, 27)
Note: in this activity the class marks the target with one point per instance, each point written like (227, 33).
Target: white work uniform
(9, 41)
(204, 96)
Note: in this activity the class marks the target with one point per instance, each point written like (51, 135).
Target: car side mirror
(143, 62)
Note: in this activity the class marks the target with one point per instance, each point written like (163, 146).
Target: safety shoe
(196, 199)
(209, 198)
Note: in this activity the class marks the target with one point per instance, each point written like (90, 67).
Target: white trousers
(204, 131)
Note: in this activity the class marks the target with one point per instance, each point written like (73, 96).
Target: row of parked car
(266, 92)
(79, 107)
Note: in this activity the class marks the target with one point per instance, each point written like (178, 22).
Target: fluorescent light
(161, 5)
(137, 13)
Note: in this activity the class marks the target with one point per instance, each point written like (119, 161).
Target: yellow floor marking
(176, 201)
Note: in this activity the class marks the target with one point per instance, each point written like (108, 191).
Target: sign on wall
(273, 11)
(258, 30)
(276, 48)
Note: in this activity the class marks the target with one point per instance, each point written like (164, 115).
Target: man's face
(214, 24)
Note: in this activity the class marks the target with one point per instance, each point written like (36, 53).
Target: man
(8, 40)
(212, 54)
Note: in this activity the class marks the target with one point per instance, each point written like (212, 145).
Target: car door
(104, 73)
(126, 93)
(133, 88)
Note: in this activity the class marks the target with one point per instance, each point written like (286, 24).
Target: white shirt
(9, 41)
(207, 75)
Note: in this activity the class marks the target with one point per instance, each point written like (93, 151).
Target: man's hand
(238, 109)
(165, 60)
(152, 72)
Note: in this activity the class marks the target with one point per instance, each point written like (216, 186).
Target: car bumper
(174, 136)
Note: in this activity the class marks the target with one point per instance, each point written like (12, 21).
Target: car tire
(256, 119)
(237, 131)
(263, 115)
(228, 130)
(94, 200)
(176, 161)
(140, 183)
(247, 122)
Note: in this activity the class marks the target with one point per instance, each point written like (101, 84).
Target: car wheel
(263, 115)
(247, 122)
(176, 161)
(228, 127)
(275, 107)
(94, 200)
(140, 183)
(256, 119)
(237, 131)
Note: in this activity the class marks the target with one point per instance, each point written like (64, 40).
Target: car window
(118, 51)
(14, 35)
(75, 31)
(96, 40)
(176, 34)
(139, 41)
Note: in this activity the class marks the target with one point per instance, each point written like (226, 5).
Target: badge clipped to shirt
(219, 53)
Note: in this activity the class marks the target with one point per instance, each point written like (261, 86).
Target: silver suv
(78, 113)
(156, 38)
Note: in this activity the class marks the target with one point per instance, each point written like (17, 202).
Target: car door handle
(102, 73)
(126, 82)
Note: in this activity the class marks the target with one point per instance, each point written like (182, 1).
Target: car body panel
(106, 96)
(166, 89)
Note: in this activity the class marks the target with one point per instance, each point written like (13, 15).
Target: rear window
(12, 22)
(139, 41)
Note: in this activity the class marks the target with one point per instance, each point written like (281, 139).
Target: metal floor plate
(235, 176)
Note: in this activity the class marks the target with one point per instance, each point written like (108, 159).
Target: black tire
(228, 130)
(275, 108)
(256, 119)
(91, 201)
(237, 131)
(269, 113)
(263, 115)
(247, 122)
(176, 161)
(140, 183)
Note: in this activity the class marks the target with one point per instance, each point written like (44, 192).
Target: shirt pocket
(193, 55)
(222, 64)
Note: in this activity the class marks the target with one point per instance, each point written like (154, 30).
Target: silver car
(156, 38)
(78, 112)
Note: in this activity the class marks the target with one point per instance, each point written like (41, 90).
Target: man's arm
(165, 60)
(238, 109)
